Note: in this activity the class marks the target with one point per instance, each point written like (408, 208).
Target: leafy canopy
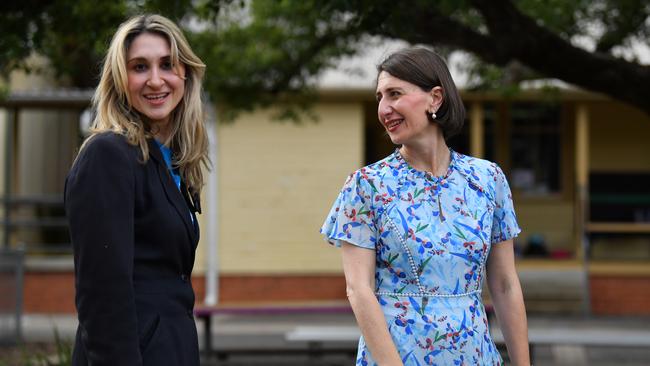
(260, 50)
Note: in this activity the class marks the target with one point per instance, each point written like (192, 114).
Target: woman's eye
(166, 65)
(139, 67)
(393, 94)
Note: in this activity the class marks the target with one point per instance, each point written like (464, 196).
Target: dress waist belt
(426, 294)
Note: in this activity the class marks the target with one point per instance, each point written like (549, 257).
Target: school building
(578, 165)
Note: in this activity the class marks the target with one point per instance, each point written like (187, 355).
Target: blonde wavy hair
(188, 139)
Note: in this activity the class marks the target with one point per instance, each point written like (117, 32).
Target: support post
(582, 197)
(12, 119)
(212, 212)
(477, 130)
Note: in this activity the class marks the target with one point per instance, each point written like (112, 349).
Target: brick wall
(620, 295)
(49, 292)
(53, 292)
(282, 288)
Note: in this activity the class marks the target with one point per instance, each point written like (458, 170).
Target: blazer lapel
(183, 208)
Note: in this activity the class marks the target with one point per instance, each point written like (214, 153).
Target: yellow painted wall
(552, 218)
(277, 182)
(21, 81)
(618, 138)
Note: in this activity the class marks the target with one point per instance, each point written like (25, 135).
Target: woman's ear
(437, 97)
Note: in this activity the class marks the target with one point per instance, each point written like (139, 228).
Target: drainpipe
(212, 217)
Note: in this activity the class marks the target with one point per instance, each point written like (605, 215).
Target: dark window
(619, 196)
(535, 148)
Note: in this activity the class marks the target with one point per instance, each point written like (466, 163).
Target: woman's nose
(384, 109)
(155, 81)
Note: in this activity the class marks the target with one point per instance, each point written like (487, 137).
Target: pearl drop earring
(433, 115)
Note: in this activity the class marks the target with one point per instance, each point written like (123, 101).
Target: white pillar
(212, 212)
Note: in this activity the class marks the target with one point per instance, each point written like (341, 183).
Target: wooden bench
(205, 313)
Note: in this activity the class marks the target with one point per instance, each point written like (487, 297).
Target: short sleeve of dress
(504, 221)
(351, 218)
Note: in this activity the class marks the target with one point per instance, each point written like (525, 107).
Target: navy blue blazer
(134, 238)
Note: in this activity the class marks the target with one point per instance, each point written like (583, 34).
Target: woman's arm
(508, 301)
(99, 204)
(359, 268)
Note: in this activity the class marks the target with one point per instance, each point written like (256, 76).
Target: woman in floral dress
(421, 228)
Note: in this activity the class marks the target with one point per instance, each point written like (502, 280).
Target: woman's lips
(393, 124)
(156, 99)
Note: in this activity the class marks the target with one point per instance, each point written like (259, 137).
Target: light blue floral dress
(432, 236)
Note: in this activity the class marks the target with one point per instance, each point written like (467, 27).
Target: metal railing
(34, 213)
(11, 288)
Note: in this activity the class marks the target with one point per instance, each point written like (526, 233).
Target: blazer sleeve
(99, 203)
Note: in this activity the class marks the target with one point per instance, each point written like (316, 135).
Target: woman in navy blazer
(131, 199)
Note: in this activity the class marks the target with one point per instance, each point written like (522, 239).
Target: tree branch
(518, 36)
(431, 27)
(623, 20)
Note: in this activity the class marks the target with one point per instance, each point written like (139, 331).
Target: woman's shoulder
(373, 178)
(107, 146)
(481, 172)
(381, 168)
(471, 163)
(107, 139)
(376, 171)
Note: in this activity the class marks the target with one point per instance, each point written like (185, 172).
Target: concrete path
(257, 340)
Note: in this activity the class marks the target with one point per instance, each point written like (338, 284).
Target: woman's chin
(395, 140)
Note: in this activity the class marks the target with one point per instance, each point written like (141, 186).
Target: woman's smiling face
(155, 85)
(403, 108)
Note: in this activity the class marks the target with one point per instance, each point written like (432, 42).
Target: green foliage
(279, 49)
(560, 16)
(4, 92)
(608, 23)
(77, 36)
(60, 356)
(19, 36)
(72, 34)
(276, 50)
(259, 52)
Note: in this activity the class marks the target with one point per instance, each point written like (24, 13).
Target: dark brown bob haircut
(426, 69)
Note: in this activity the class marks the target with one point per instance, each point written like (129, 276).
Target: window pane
(489, 131)
(535, 148)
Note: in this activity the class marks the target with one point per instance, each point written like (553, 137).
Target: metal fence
(34, 216)
(11, 295)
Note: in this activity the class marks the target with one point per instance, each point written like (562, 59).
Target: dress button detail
(184, 277)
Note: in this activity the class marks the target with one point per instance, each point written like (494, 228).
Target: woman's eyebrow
(142, 58)
(392, 88)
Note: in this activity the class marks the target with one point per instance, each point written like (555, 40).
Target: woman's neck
(431, 154)
(161, 131)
